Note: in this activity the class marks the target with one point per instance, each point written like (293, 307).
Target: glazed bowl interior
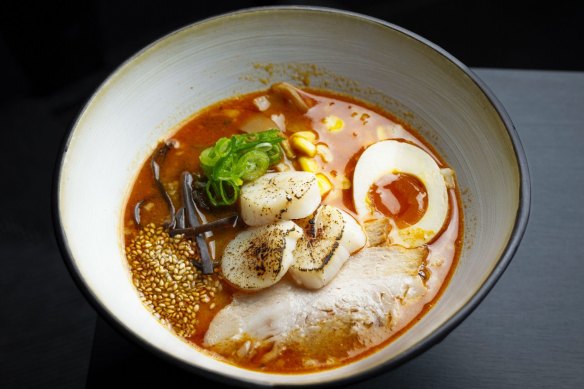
(149, 95)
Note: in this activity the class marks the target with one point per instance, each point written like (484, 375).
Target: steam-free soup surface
(186, 300)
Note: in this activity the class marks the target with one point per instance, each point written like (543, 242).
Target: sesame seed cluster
(167, 281)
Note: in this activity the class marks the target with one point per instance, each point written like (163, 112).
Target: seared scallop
(279, 196)
(330, 235)
(354, 237)
(259, 257)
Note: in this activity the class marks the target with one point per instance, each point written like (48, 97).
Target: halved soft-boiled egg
(392, 158)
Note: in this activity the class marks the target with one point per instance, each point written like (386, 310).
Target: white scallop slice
(259, 257)
(330, 236)
(392, 157)
(279, 196)
(319, 253)
(354, 237)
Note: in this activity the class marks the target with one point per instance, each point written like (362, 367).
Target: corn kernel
(333, 123)
(309, 135)
(324, 184)
(345, 183)
(303, 146)
(308, 164)
(324, 152)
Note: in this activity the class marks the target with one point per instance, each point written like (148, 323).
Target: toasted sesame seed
(160, 265)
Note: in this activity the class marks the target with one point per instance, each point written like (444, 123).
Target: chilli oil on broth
(324, 134)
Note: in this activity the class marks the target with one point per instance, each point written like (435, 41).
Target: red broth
(346, 126)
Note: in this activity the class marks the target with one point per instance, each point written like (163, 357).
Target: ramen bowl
(149, 95)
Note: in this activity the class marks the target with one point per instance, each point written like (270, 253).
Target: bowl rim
(433, 338)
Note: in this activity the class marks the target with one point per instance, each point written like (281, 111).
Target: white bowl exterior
(152, 93)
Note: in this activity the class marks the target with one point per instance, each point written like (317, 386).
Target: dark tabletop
(529, 331)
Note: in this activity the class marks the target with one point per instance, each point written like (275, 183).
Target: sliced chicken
(375, 294)
(377, 231)
(259, 257)
(279, 196)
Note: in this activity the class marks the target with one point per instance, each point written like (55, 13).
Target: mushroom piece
(294, 95)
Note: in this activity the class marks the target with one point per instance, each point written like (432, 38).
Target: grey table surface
(528, 332)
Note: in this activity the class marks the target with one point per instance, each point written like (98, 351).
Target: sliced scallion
(232, 161)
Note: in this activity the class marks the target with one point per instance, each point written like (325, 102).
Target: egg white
(392, 157)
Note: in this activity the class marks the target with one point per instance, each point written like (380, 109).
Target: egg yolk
(400, 196)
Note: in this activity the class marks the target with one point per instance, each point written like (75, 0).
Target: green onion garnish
(233, 161)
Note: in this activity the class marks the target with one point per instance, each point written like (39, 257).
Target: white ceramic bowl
(150, 94)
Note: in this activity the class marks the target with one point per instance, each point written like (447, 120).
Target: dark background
(53, 55)
(47, 46)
